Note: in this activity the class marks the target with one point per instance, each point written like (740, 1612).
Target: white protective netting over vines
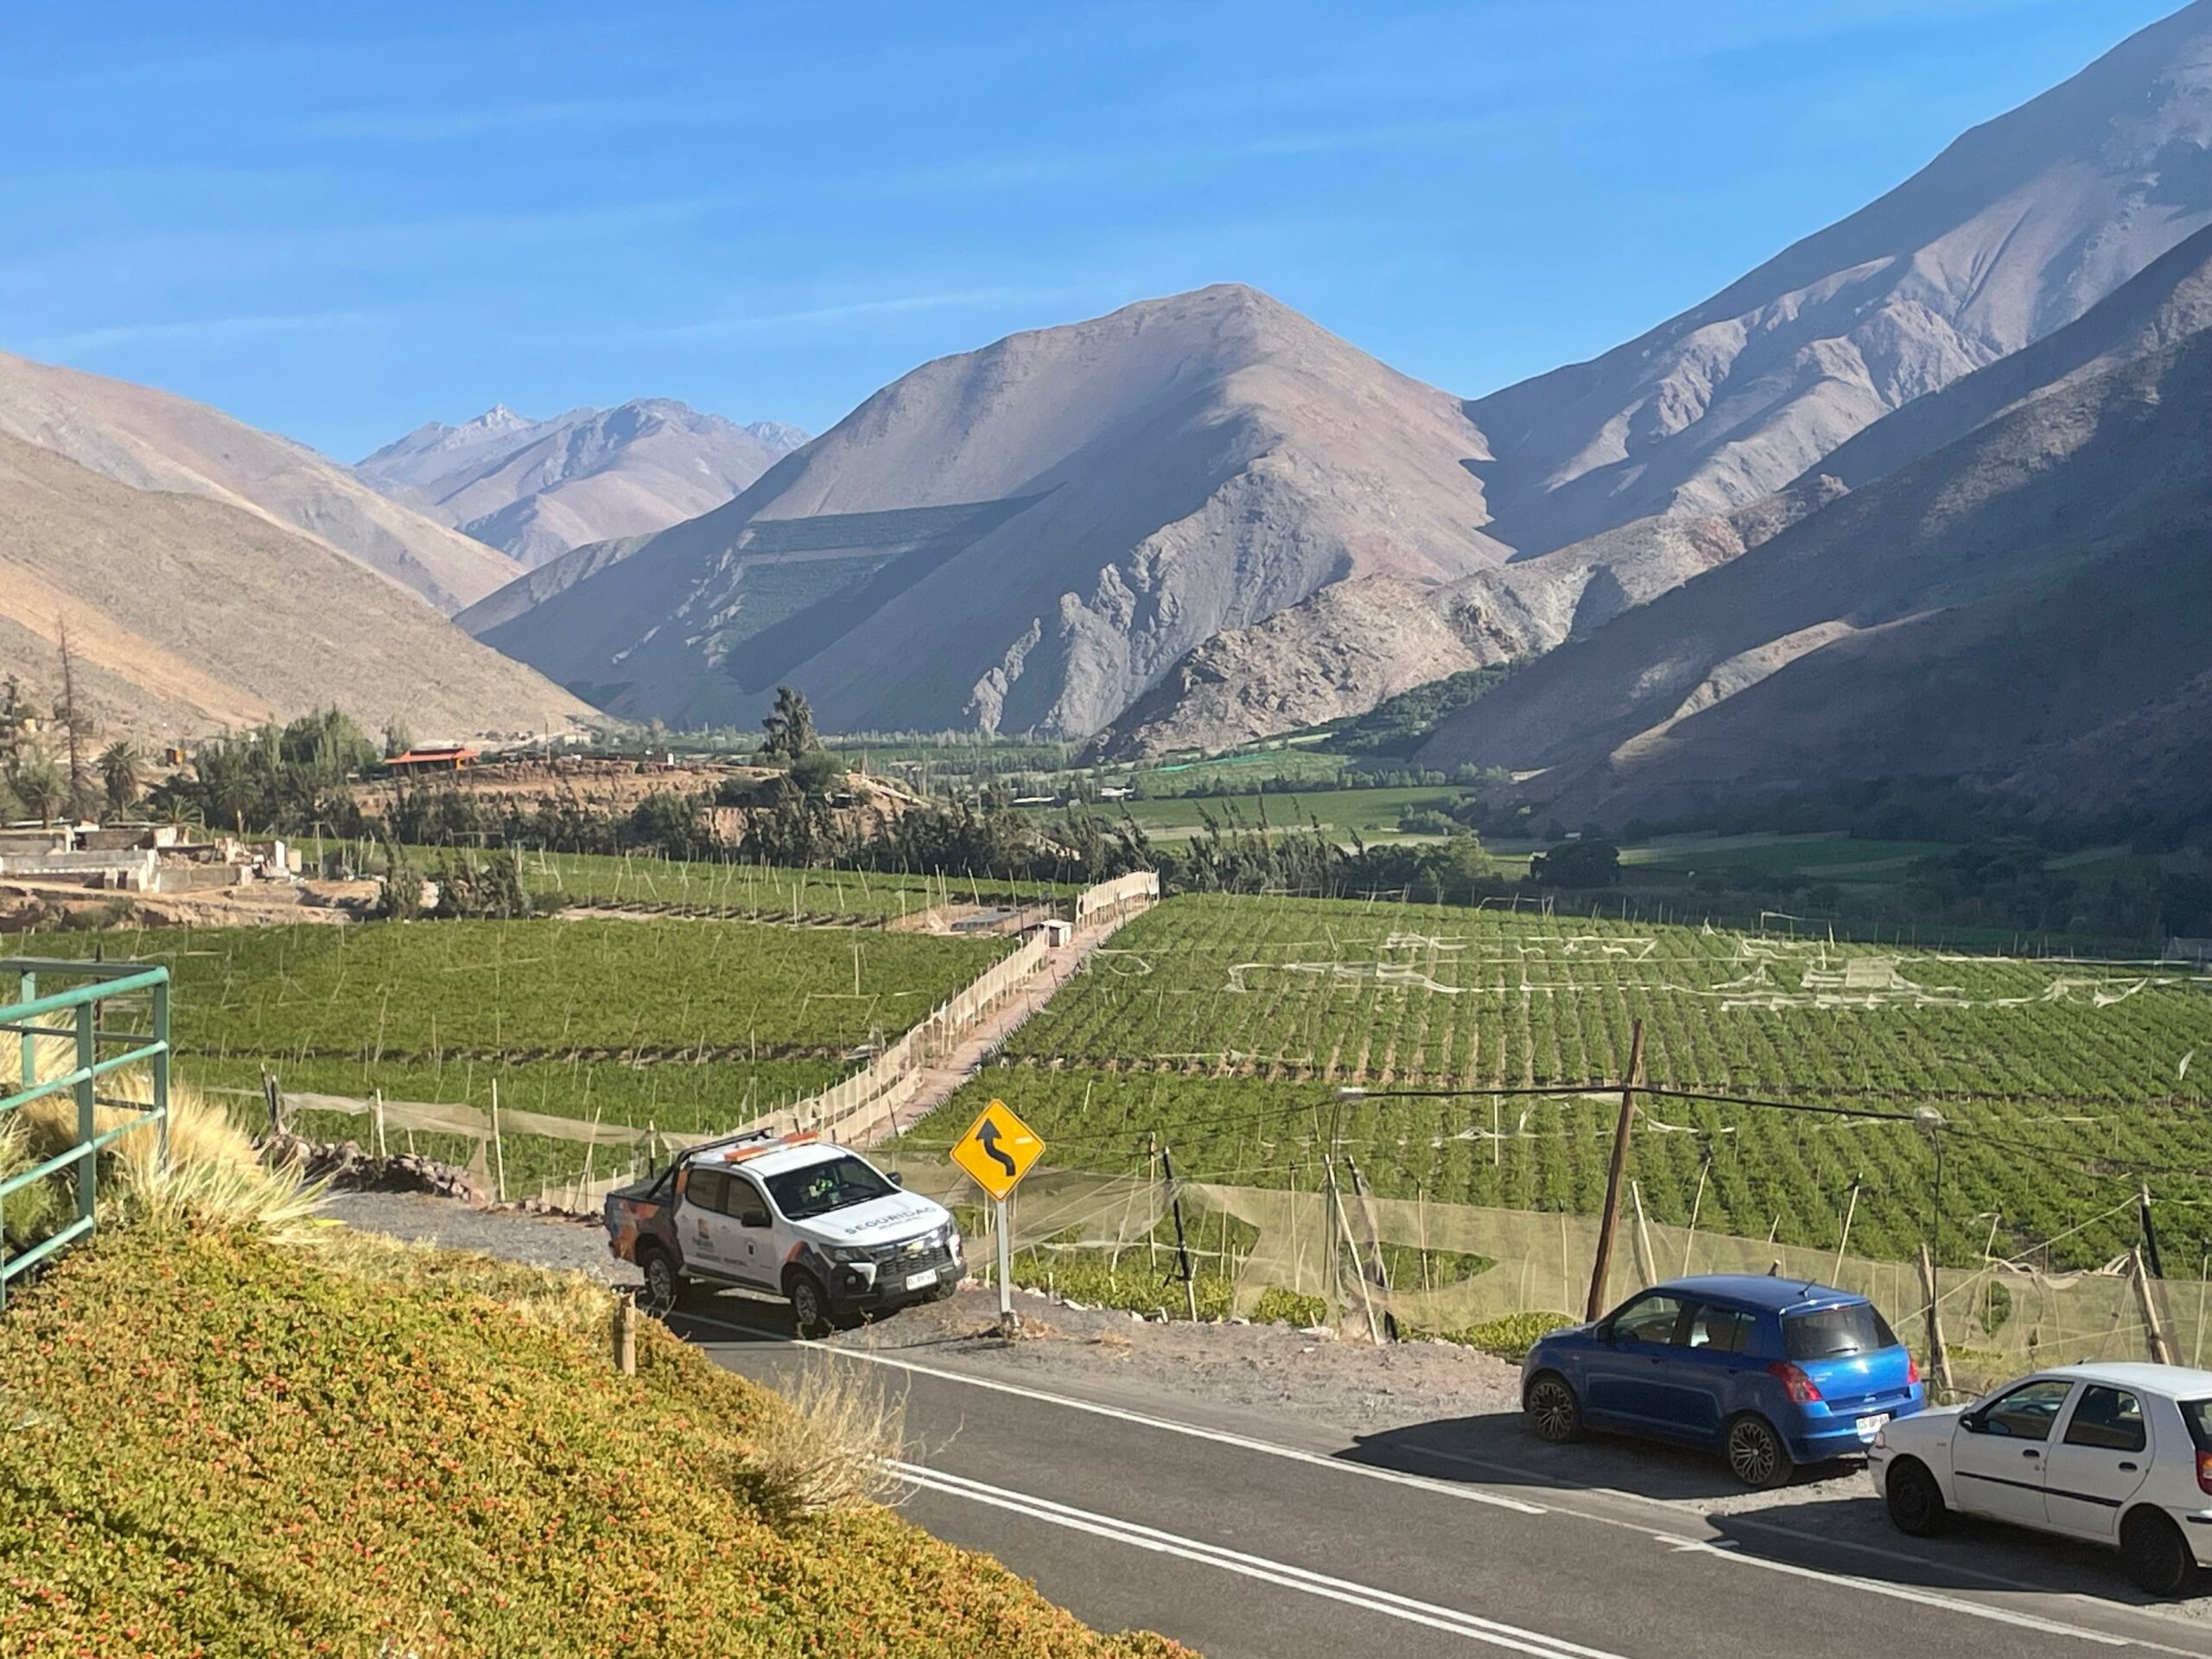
(1443, 1269)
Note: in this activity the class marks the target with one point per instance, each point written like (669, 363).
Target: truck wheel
(809, 1303)
(664, 1284)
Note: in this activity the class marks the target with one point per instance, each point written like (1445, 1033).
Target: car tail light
(1911, 1372)
(1799, 1386)
(2204, 1471)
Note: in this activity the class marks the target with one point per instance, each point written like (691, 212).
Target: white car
(2121, 1454)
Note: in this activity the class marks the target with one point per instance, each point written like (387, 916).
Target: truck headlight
(952, 1241)
(848, 1253)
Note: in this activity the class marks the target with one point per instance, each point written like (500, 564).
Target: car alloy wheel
(1554, 1412)
(1755, 1453)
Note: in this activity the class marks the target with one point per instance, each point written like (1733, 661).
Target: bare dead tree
(72, 724)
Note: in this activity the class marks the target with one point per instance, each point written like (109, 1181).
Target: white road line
(1366, 1597)
(1685, 1543)
(1903, 1592)
(1223, 1437)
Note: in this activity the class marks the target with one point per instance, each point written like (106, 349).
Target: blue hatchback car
(1770, 1372)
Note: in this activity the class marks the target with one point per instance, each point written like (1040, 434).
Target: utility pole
(1610, 1220)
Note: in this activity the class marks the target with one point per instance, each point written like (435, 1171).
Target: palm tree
(39, 785)
(122, 769)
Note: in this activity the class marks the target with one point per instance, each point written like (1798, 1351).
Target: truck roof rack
(760, 1140)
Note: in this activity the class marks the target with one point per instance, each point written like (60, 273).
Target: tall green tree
(39, 785)
(790, 726)
(123, 775)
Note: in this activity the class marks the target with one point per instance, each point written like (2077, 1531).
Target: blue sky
(338, 222)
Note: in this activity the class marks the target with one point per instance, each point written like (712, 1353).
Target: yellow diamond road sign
(998, 1150)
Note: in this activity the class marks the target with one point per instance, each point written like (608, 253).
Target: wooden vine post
(1610, 1222)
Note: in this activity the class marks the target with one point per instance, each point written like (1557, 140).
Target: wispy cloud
(443, 125)
(759, 324)
(197, 331)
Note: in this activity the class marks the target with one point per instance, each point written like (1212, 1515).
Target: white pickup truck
(806, 1220)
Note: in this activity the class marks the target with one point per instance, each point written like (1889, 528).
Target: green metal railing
(111, 989)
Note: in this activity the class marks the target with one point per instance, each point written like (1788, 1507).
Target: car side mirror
(754, 1218)
(1975, 1423)
(895, 1178)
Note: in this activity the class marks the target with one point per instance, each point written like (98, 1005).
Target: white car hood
(879, 1221)
(1936, 1426)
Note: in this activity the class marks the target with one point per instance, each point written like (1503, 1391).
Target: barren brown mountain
(155, 441)
(2017, 229)
(2023, 605)
(1027, 537)
(537, 488)
(187, 614)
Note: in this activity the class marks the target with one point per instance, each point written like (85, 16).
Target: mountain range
(1028, 536)
(534, 489)
(155, 441)
(187, 613)
(2008, 583)
(1202, 520)
(1914, 495)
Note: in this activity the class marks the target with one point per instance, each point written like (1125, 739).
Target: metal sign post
(1006, 1265)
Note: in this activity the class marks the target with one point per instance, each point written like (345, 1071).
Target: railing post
(25, 1041)
(87, 1056)
(162, 1075)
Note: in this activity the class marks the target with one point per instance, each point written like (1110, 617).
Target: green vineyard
(689, 1026)
(761, 893)
(1225, 1027)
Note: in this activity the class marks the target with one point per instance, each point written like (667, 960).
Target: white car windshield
(802, 1194)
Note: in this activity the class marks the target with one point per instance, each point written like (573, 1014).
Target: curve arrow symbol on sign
(987, 1136)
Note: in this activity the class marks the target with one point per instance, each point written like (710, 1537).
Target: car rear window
(2197, 1414)
(1836, 1333)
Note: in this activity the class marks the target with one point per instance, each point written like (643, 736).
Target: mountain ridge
(1060, 515)
(538, 489)
(1984, 608)
(153, 585)
(153, 440)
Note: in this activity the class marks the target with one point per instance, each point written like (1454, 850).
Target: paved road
(1250, 1537)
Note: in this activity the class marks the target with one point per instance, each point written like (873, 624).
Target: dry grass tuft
(213, 1179)
(834, 1449)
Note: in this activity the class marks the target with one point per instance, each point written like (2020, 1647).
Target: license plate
(928, 1276)
(1869, 1426)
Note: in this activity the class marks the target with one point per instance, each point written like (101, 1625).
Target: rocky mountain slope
(1354, 643)
(2018, 604)
(2016, 230)
(537, 488)
(187, 614)
(155, 441)
(1029, 536)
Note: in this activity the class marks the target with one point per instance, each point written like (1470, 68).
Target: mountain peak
(537, 488)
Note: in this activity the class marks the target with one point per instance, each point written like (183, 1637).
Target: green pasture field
(1225, 1025)
(1370, 812)
(762, 892)
(1826, 858)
